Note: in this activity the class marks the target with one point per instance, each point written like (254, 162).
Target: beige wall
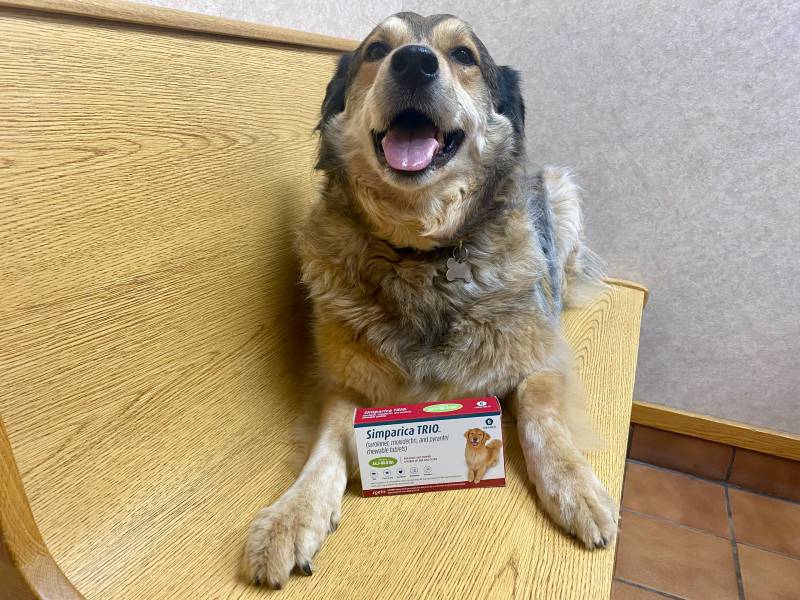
(682, 122)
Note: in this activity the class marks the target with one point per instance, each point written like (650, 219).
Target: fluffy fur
(390, 328)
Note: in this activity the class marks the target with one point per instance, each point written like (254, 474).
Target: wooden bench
(153, 166)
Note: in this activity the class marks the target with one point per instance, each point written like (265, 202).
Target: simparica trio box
(428, 447)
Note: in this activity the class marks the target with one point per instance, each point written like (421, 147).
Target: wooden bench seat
(154, 335)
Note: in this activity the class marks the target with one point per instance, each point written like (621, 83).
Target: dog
(437, 269)
(479, 455)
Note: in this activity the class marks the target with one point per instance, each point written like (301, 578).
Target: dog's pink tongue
(410, 149)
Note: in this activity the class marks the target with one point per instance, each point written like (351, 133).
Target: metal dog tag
(458, 267)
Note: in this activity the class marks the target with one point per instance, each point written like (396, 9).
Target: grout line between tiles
(648, 589)
(741, 488)
(669, 470)
(735, 486)
(769, 550)
(730, 466)
(675, 523)
(736, 564)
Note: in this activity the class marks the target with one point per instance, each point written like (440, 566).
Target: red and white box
(430, 447)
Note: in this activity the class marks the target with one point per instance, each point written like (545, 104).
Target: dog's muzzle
(413, 143)
(414, 66)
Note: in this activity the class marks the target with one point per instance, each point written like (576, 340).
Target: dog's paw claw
(334, 522)
(582, 506)
(285, 536)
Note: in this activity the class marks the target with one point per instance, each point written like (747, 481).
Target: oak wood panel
(153, 331)
(133, 12)
(740, 435)
(630, 284)
(150, 184)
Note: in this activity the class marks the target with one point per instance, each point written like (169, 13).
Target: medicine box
(429, 447)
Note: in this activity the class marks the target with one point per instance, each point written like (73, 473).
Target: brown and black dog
(438, 269)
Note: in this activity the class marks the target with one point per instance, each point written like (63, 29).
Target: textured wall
(682, 123)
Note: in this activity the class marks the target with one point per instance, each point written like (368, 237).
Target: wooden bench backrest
(151, 180)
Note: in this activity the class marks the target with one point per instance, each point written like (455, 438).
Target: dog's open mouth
(413, 143)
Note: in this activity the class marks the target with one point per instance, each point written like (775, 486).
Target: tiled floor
(700, 534)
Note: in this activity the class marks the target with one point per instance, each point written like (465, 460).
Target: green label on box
(383, 461)
(443, 407)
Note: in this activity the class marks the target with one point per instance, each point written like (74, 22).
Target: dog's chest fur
(477, 337)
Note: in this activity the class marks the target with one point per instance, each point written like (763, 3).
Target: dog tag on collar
(458, 266)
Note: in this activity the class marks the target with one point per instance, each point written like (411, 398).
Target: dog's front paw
(582, 506)
(285, 535)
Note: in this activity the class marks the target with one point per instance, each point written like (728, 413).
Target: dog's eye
(377, 51)
(463, 55)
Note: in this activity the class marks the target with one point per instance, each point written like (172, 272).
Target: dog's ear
(466, 434)
(509, 99)
(486, 436)
(336, 91)
(332, 105)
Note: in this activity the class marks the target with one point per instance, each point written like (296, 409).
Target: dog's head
(418, 118)
(476, 437)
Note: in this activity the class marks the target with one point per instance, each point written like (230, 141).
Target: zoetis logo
(437, 408)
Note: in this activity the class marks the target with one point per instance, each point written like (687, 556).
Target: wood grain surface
(154, 338)
(133, 12)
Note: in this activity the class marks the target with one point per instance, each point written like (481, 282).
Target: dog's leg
(470, 475)
(565, 483)
(289, 532)
(479, 474)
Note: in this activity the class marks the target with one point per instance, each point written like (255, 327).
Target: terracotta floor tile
(768, 522)
(769, 576)
(768, 474)
(623, 591)
(680, 452)
(677, 497)
(675, 560)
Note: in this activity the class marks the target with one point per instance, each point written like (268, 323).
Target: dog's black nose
(414, 66)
